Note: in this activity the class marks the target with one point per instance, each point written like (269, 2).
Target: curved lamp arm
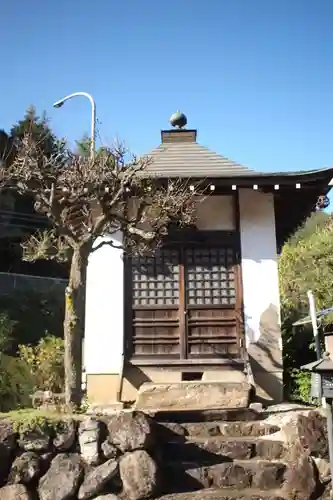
(62, 101)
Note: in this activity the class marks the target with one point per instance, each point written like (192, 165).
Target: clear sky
(253, 76)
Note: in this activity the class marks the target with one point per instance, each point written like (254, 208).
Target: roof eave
(314, 176)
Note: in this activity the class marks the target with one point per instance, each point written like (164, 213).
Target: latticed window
(210, 276)
(156, 279)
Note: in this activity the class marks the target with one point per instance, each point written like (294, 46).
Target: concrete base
(102, 388)
(193, 396)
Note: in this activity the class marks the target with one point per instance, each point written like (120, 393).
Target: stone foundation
(218, 454)
(103, 388)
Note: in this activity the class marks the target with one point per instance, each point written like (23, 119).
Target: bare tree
(85, 199)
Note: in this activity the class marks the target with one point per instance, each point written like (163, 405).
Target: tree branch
(145, 235)
(107, 243)
(83, 198)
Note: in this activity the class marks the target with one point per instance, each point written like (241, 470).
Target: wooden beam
(182, 311)
(144, 361)
(240, 325)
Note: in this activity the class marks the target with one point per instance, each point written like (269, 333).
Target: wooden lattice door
(155, 285)
(211, 302)
(185, 303)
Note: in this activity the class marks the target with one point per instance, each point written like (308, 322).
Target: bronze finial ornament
(178, 120)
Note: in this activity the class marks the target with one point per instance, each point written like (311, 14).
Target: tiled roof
(190, 159)
(180, 155)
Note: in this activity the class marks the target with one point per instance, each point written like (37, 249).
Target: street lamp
(60, 103)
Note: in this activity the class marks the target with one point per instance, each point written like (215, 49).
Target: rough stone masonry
(222, 454)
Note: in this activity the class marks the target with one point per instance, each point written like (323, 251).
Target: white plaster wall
(104, 323)
(259, 258)
(216, 213)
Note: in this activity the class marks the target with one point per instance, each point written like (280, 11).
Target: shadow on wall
(135, 376)
(269, 386)
(265, 354)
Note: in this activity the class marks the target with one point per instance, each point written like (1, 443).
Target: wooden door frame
(180, 236)
(214, 239)
(181, 309)
(239, 277)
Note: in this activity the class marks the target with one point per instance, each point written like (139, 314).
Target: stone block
(204, 451)
(193, 396)
(239, 429)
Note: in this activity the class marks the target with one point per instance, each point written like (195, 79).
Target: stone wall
(13, 282)
(73, 459)
(130, 455)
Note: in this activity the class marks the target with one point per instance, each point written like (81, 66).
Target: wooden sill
(236, 363)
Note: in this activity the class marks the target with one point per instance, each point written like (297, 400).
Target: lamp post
(59, 103)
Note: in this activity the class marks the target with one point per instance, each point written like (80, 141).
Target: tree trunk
(74, 327)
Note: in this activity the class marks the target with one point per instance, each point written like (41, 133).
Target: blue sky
(253, 76)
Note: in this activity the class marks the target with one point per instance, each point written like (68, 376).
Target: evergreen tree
(305, 263)
(83, 146)
(17, 212)
(7, 149)
(38, 129)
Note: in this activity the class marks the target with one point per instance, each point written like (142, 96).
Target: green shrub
(37, 367)
(6, 332)
(15, 378)
(300, 385)
(305, 263)
(46, 363)
(16, 383)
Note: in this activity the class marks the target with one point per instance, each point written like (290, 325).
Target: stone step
(257, 474)
(225, 494)
(209, 450)
(206, 415)
(193, 396)
(173, 431)
(230, 429)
